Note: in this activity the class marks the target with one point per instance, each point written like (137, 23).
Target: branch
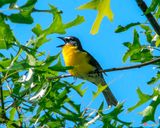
(149, 16)
(113, 69)
(131, 67)
(2, 102)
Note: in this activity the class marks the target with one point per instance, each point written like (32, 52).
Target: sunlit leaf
(158, 42)
(12, 113)
(100, 88)
(57, 26)
(135, 47)
(6, 36)
(103, 8)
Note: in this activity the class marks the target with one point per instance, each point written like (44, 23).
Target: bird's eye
(67, 40)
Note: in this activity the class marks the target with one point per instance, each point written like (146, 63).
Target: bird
(85, 66)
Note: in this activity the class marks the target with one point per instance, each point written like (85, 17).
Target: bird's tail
(110, 98)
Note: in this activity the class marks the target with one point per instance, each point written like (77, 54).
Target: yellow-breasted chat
(84, 65)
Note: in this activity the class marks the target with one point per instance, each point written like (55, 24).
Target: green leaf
(100, 88)
(124, 28)
(78, 89)
(148, 32)
(149, 112)
(134, 48)
(6, 36)
(50, 59)
(143, 98)
(158, 42)
(100, 109)
(59, 67)
(153, 6)
(142, 56)
(24, 16)
(113, 116)
(37, 29)
(154, 79)
(3, 2)
(31, 60)
(19, 66)
(57, 26)
(54, 124)
(103, 8)
(157, 14)
(4, 64)
(12, 113)
(29, 3)
(129, 53)
(136, 42)
(78, 20)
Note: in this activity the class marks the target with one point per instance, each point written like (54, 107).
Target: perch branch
(114, 69)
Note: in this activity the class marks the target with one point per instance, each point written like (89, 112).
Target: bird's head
(71, 40)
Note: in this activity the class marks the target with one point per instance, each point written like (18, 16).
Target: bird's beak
(62, 38)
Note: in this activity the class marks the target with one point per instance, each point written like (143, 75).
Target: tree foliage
(32, 94)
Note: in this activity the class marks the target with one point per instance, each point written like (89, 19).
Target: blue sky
(106, 47)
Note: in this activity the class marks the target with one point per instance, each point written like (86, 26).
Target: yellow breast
(78, 59)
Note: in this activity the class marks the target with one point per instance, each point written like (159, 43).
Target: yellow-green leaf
(158, 42)
(100, 89)
(103, 8)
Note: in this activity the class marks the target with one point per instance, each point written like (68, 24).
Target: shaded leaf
(113, 116)
(154, 79)
(148, 32)
(78, 89)
(149, 112)
(152, 7)
(24, 16)
(3, 2)
(124, 28)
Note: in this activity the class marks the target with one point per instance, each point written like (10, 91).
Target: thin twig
(37, 10)
(2, 102)
(134, 66)
(48, 11)
(113, 69)
(149, 16)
